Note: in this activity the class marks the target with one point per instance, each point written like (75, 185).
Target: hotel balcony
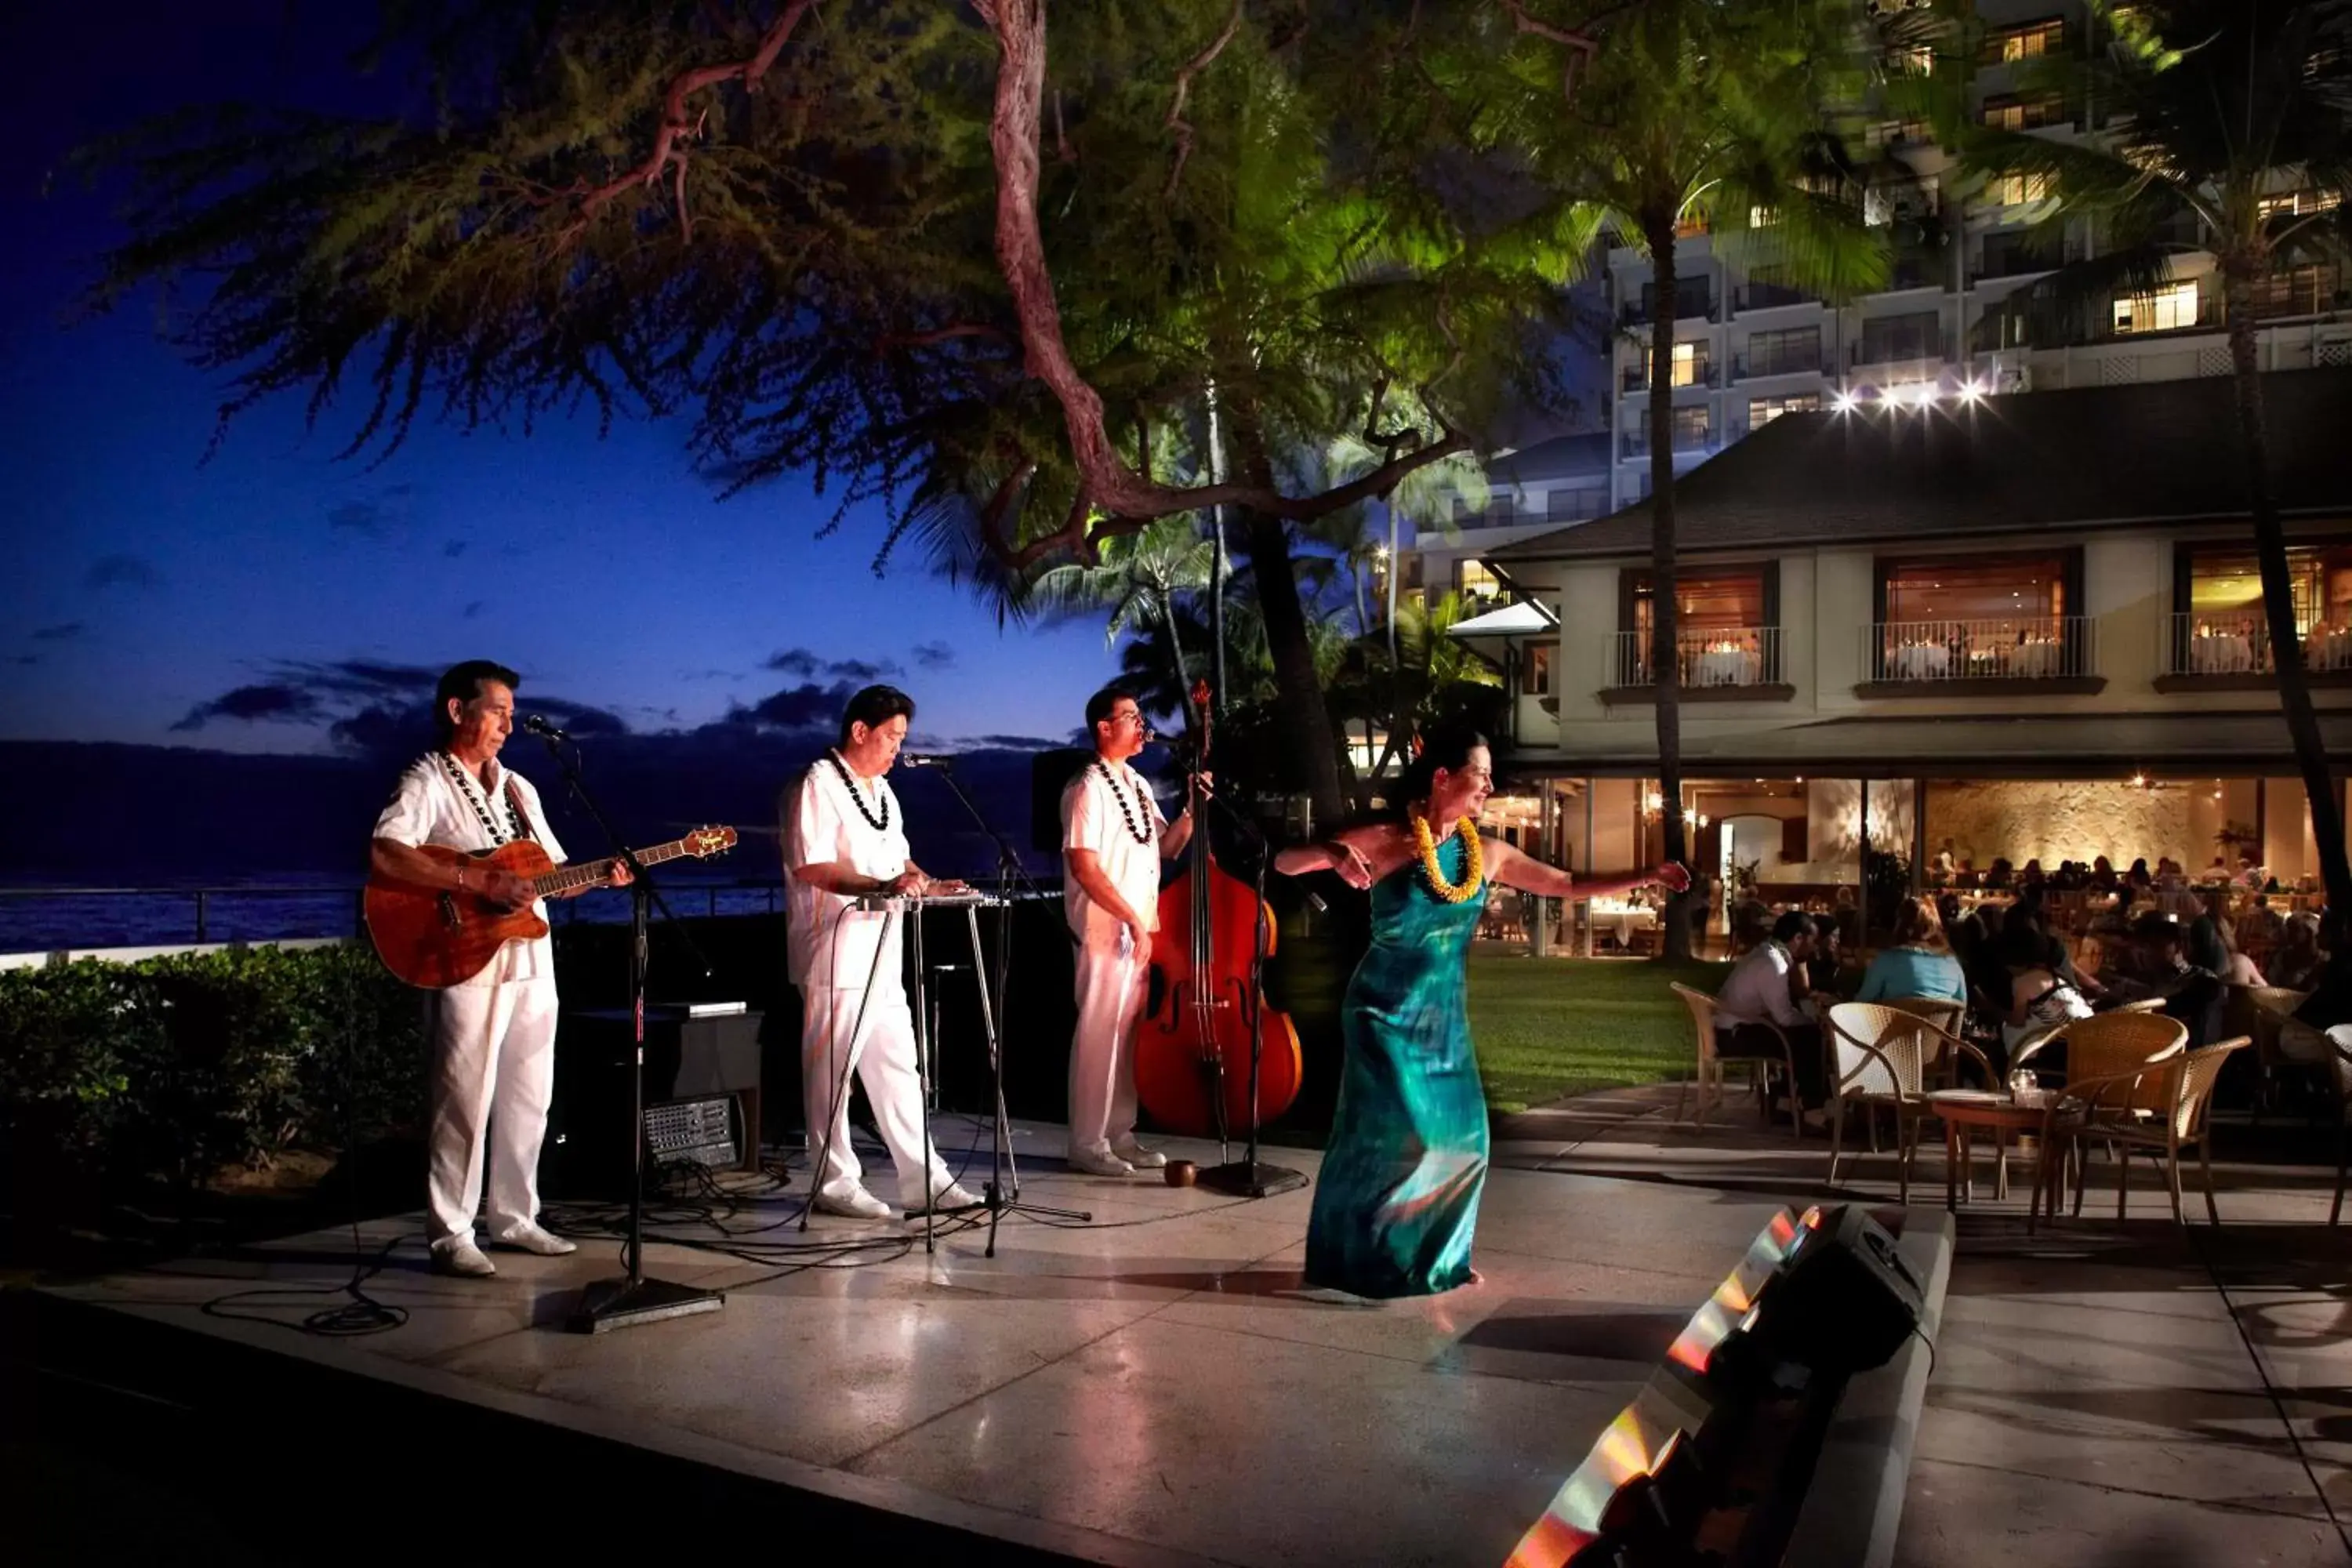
(1694, 304)
(1688, 441)
(1716, 665)
(2055, 654)
(2233, 653)
(1748, 366)
(1768, 297)
(1698, 372)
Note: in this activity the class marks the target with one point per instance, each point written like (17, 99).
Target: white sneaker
(855, 1204)
(528, 1237)
(463, 1257)
(1098, 1164)
(947, 1200)
(1137, 1155)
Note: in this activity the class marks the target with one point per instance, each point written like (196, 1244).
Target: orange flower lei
(1473, 874)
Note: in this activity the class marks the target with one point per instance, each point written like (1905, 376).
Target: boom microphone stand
(632, 1298)
(1001, 1192)
(1250, 1177)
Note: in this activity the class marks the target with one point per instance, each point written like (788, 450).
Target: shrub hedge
(185, 1063)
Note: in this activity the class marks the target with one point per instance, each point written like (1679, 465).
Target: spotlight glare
(1843, 403)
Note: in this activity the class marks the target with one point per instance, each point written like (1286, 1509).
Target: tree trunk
(2278, 592)
(1665, 668)
(1298, 704)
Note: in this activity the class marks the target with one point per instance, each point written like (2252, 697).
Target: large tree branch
(889, 341)
(676, 128)
(1014, 130)
(1176, 122)
(1582, 45)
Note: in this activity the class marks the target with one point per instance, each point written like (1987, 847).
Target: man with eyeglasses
(1113, 839)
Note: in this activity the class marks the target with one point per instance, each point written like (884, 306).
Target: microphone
(538, 726)
(925, 760)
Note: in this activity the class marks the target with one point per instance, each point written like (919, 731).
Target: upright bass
(1192, 1053)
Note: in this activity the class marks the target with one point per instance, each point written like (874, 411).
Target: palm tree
(1136, 581)
(1431, 678)
(1688, 117)
(2215, 110)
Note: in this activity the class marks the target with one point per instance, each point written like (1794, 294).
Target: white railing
(2240, 645)
(1743, 655)
(2043, 647)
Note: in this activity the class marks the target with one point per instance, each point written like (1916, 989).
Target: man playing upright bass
(845, 839)
(1113, 839)
(493, 1034)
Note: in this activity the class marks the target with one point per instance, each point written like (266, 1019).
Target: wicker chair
(1879, 1055)
(1704, 1015)
(2258, 1010)
(2107, 1043)
(1947, 1015)
(2112, 1108)
(2340, 1069)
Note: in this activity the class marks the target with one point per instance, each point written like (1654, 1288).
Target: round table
(1961, 1110)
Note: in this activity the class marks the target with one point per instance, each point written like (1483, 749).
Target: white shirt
(828, 944)
(1091, 819)
(429, 806)
(1757, 989)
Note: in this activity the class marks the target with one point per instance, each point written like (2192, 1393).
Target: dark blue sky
(151, 597)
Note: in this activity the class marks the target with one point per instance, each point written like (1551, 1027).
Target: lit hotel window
(2164, 310)
(1762, 411)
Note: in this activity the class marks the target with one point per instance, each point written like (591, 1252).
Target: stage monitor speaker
(1050, 773)
(1843, 1299)
(702, 1096)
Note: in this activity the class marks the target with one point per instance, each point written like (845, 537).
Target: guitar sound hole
(449, 915)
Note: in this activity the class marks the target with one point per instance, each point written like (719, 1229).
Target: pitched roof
(1582, 457)
(2151, 452)
(1528, 618)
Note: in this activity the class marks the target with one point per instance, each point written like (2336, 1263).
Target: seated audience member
(2208, 941)
(1757, 989)
(1920, 963)
(2192, 994)
(2039, 998)
(2060, 961)
(2303, 1036)
(2262, 927)
(2296, 960)
(1822, 974)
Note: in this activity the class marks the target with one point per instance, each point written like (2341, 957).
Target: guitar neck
(589, 873)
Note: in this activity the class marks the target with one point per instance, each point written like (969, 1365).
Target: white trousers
(1110, 995)
(886, 1066)
(493, 1071)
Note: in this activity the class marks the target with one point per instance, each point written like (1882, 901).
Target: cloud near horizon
(121, 571)
(265, 702)
(807, 665)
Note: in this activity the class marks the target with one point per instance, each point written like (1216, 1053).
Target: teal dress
(1397, 1197)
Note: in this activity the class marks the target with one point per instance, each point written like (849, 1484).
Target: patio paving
(2142, 1393)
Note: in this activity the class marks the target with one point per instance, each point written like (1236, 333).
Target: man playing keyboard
(845, 839)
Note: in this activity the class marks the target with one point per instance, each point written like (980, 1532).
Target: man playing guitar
(492, 1034)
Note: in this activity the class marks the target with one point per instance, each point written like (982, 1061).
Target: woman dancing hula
(1398, 1198)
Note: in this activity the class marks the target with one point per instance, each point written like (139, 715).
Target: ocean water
(36, 919)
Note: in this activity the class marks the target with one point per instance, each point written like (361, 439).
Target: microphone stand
(1250, 1177)
(608, 1304)
(1001, 1193)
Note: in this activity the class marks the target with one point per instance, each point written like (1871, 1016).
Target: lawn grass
(1547, 1027)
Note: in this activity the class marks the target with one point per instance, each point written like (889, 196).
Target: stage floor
(1153, 1388)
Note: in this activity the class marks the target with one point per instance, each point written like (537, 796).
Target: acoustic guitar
(433, 937)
